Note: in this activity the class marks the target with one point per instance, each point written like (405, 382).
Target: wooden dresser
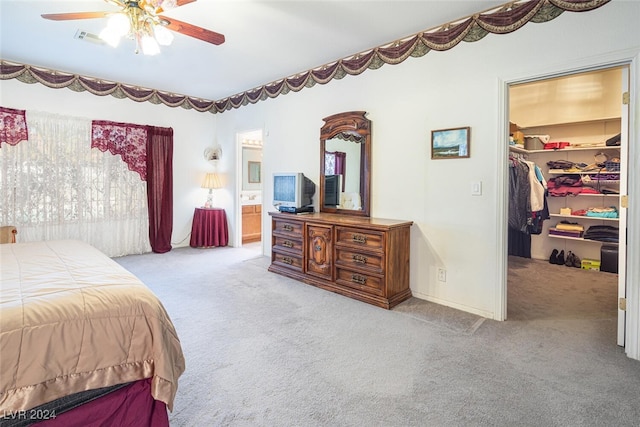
(363, 258)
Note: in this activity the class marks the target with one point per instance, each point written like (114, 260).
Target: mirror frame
(351, 123)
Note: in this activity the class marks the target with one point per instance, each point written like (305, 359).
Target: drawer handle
(287, 244)
(287, 260)
(361, 280)
(287, 227)
(359, 259)
(359, 238)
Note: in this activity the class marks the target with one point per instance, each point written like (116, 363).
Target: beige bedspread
(72, 319)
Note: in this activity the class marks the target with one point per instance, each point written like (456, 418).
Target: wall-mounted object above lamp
(212, 182)
(212, 153)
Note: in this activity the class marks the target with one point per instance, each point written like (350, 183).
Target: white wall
(460, 87)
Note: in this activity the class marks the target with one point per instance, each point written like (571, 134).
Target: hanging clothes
(519, 241)
(519, 194)
(527, 204)
(537, 190)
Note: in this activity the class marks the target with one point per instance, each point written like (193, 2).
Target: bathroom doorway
(250, 183)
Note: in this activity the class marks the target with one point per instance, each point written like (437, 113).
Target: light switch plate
(476, 188)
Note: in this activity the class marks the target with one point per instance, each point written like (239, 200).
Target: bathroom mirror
(345, 164)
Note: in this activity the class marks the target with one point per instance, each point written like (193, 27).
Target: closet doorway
(250, 183)
(567, 171)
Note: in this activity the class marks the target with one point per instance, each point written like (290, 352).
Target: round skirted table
(209, 228)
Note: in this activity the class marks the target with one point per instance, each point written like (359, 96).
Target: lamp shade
(211, 180)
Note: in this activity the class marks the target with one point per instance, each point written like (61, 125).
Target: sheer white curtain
(55, 186)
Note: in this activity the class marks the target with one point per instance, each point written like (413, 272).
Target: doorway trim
(630, 58)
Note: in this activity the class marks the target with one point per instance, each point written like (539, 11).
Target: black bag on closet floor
(609, 258)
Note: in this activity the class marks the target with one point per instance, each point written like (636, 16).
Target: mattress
(72, 320)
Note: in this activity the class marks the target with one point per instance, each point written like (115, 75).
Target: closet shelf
(581, 239)
(585, 195)
(571, 172)
(584, 217)
(570, 123)
(562, 150)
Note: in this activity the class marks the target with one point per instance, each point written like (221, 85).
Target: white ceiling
(266, 40)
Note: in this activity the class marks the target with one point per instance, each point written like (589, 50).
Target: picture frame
(254, 172)
(453, 143)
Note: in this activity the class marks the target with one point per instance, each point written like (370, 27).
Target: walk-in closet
(567, 181)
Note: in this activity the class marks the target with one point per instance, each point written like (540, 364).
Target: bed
(77, 330)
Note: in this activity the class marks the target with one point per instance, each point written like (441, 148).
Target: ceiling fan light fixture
(149, 45)
(163, 36)
(111, 38)
(140, 20)
(119, 24)
(117, 27)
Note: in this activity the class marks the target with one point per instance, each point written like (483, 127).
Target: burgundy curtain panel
(160, 187)
(341, 165)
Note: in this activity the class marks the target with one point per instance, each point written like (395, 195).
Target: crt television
(292, 190)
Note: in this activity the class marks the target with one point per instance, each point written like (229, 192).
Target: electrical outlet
(442, 275)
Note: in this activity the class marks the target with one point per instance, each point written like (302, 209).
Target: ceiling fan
(141, 20)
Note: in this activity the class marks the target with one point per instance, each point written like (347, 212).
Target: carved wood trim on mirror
(345, 164)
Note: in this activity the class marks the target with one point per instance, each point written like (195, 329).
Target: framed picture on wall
(254, 172)
(450, 143)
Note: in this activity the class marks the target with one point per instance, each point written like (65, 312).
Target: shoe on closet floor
(560, 258)
(569, 259)
(576, 261)
(572, 260)
(553, 259)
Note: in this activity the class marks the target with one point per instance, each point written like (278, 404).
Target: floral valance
(502, 20)
(13, 126)
(127, 140)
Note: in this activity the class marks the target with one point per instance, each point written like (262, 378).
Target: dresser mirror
(345, 164)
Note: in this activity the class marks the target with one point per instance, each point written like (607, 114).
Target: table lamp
(211, 181)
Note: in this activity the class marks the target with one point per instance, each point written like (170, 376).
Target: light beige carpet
(265, 350)
(538, 290)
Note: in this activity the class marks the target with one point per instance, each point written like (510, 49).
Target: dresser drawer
(287, 260)
(356, 238)
(284, 243)
(350, 258)
(360, 280)
(288, 228)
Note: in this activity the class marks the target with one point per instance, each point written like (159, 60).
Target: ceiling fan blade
(183, 2)
(118, 3)
(193, 31)
(74, 15)
(159, 6)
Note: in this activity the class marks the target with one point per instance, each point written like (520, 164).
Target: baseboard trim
(461, 307)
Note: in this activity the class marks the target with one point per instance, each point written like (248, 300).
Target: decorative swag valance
(506, 19)
(127, 140)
